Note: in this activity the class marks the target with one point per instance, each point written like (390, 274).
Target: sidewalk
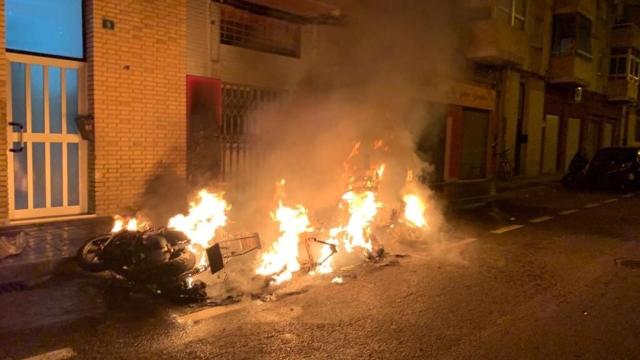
(499, 189)
(528, 182)
(48, 246)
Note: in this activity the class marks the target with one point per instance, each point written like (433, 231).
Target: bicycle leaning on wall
(505, 168)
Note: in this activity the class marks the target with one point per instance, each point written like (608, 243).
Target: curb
(33, 273)
(479, 201)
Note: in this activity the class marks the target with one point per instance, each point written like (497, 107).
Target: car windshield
(616, 156)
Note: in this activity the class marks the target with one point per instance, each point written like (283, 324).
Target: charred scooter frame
(159, 261)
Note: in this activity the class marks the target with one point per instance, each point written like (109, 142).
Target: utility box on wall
(85, 126)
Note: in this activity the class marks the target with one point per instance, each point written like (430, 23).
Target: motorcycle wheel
(87, 256)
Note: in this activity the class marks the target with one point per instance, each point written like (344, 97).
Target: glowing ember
(379, 144)
(414, 210)
(354, 151)
(363, 208)
(380, 171)
(282, 260)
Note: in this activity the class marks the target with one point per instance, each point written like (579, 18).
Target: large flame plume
(282, 260)
(205, 217)
(360, 206)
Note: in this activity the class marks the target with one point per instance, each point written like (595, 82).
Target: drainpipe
(501, 123)
(625, 124)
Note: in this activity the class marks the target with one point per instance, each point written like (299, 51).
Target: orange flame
(282, 260)
(363, 208)
(414, 210)
(205, 216)
(132, 224)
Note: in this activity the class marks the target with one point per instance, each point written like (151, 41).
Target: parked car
(611, 168)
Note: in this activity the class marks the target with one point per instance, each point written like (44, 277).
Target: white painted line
(592, 205)
(211, 312)
(609, 201)
(460, 243)
(446, 247)
(540, 219)
(505, 229)
(65, 353)
(569, 212)
(628, 195)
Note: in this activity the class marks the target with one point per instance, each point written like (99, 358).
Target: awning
(309, 8)
(296, 10)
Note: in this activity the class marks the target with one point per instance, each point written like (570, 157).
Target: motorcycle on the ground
(156, 261)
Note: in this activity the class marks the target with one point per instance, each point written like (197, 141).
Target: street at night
(319, 179)
(563, 287)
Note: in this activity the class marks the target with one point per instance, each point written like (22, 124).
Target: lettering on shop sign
(472, 97)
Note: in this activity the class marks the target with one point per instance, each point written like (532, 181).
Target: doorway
(550, 142)
(475, 128)
(47, 163)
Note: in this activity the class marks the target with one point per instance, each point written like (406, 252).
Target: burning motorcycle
(159, 261)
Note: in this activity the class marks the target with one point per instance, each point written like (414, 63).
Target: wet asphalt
(541, 273)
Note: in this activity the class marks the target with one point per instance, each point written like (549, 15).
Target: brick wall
(199, 29)
(4, 201)
(137, 90)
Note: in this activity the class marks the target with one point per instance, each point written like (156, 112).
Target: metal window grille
(262, 33)
(240, 133)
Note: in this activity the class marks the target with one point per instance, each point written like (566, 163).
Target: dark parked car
(611, 168)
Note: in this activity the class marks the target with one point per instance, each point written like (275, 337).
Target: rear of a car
(614, 168)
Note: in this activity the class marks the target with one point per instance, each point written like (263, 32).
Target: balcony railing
(623, 89)
(573, 67)
(492, 42)
(626, 35)
(585, 7)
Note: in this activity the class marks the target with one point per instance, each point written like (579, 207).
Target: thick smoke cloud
(370, 79)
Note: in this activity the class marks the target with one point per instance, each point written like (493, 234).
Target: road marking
(540, 219)
(628, 195)
(592, 205)
(444, 247)
(65, 353)
(460, 243)
(505, 229)
(211, 312)
(569, 212)
(609, 201)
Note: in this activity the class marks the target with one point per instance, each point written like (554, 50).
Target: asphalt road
(540, 274)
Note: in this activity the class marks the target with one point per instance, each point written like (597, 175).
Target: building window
(625, 63)
(261, 33)
(571, 35)
(512, 12)
(47, 27)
